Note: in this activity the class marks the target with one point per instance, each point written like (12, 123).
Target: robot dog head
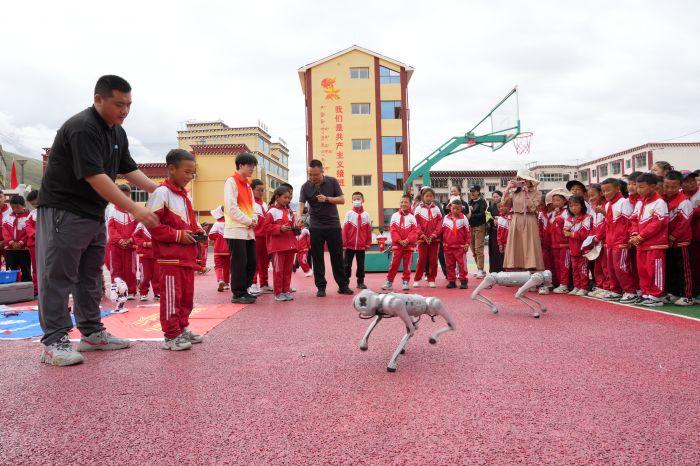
(366, 303)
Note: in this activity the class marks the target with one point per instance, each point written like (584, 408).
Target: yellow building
(357, 125)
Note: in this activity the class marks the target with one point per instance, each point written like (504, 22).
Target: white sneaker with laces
(289, 296)
(388, 286)
(480, 274)
(431, 284)
(652, 301)
(179, 343)
(543, 290)
(670, 298)
(612, 296)
(574, 291)
(191, 337)
(310, 273)
(61, 353)
(629, 298)
(416, 284)
(404, 285)
(254, 289)
(582, 292)
(103, 341)
(143, 298)
(281, 297)
(561, 289)
(683, 302)
(266, 290)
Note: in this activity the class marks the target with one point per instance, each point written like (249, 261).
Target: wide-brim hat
(217, 213)
(590, 249)
(557, 192)
(527, 176)
(573, 183)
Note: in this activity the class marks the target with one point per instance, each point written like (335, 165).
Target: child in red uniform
(560, 243)
(222, 257)
(381, 240)
(545, 240)
(403, 229)
(357, 238)
(503, 225)
(577, 227)
(4, 210)
(618, 217)
(14, 237)
(600, 265)
(120, 227)
(148, 264)
(303, 246)
(690, 189)
(282, 242)
(456, 239)
(175, 249)
(30, 227)
(634, 200)
(429, 220)
(678, 269)
(260, 209)
(651, 239)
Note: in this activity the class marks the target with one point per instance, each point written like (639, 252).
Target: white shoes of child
(561, 289)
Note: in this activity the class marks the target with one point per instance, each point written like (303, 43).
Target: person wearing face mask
(357, 238)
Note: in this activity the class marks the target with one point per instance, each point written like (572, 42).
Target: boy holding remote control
(175, 249)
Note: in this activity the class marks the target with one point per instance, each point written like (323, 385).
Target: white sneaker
(629, 298)
(288, 296)
(191, 337)
(404, 285)
(431, 284)
(612, 296)
(582, 292)
(684, 302)
(652, 301)
(254, 289)
(143, 298)
(561, 289)
(266, 290)
(61, 353)
(670, 298)
(281, 297)
(310, 273)
(292, 290)
(179, 343)
(574, 291)
(480, 274)
(388, 286)
(103, 341)
(598, 293)
(131, 297)
(416, 284)
(543, 290)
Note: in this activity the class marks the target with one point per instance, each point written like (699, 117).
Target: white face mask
(357, 204)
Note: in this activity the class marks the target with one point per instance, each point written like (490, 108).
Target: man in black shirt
(89, 150)
(323, 194)
(477, 224)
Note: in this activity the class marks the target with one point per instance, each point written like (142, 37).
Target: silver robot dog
(406, 306)
(525, 280)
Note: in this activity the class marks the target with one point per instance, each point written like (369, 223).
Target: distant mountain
(33, 170)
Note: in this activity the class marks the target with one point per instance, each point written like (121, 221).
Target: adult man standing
(477, 222)
(89, 150)
(323, 194)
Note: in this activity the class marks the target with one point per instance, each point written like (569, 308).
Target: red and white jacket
(120, 226)
(143, 241)
(260, 209)
(502, 228)
(278, 240)
(429, 220)
(174, 210)
(557, 218)
(580, 228)
(543, 225)
(216, 234)
(618, 215)
(680, 216)
(598, 223)
(381, 241)
(304, 240)
(357, 230)
(13, 229)
(694, 198)
(455, 231)
(30, 228)
(653, 223)
(403, 226)
(4, 211)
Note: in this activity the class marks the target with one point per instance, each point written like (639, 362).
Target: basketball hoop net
(522, 143)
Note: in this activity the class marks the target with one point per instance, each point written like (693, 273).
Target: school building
(357, 125)
(442, 181)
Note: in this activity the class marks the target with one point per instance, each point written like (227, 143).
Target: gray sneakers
(192, 337)
(179, 343)
(103, 341)
(61, 353)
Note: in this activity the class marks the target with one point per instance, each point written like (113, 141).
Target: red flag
(13, 177)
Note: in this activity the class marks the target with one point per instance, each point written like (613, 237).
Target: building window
(391, 145)
(393, 181)
(628, 163)
(603, 170)
(504, 182)
(391, 109)
(475, 182)
(138, 195)
(359, 73)
(566, 177)
(388, 76)
(387, 216)
(553, 177)
(361, 180)
(360, 144)
(360, 109)
(593, 172)
(263, 146)
(640, 161)
(584, 176)
(439, 183)
(616, 168)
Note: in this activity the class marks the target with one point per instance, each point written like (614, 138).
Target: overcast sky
(594, 77)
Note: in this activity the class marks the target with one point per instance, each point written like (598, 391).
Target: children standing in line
(577, 227)
(678, 269)
(30, 226)
(175, 249)
(357, 238)
(120, 227)
(560, 243)
(429, 220)
(456, 239)
(148, 264)
(282, 242)
(222, 257)
(690, 189)
(303, 246)
(651, 239)
(260, 281)
(403, 229)
(14, 237)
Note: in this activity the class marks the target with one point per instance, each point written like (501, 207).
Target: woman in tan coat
(523, 249)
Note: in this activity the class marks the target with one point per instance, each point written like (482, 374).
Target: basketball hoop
(522, 143)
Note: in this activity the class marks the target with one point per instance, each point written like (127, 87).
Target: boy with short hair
(14, 236)
(121, 225)
(456, 239)
(175, 249)
(403, 229)
(678, 269)
(357, 238)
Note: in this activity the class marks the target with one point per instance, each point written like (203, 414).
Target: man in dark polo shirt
(323, 194)
(89, 150)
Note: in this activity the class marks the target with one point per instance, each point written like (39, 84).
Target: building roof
(302, 70)
(219, 149)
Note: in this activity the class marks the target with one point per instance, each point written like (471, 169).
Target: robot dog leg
(523, 280)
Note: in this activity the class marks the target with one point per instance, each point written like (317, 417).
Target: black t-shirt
(321, 214)
(84, 146)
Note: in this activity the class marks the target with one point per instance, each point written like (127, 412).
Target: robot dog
(524, 280)
(118, 293)
(408, 307)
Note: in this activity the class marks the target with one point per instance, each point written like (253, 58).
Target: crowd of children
(18, 235)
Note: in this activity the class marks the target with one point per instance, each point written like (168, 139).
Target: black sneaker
(463, 285)
(242, 300)
(361, 285)
(321, 293)
(451, 285)
(345, 290)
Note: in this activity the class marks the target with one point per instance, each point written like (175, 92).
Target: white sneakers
(629, 298)
(61, 353)
(684, 302)
(480, 274)
(254, 289)
(404, 285)
(561, 289)
(416, 284)
(179, 343)
(266, 290)
(310, 273)
(102, 341)
(388, 286)
(431, 284)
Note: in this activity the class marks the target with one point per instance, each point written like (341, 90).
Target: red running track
(589, 382)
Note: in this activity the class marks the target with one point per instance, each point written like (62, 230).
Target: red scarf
(608, 211)
(190, 211)
(454, 224)
(359, 216)
(430, 211)
(403, 216)
(674, 201)
(285, 214)
(649, 199)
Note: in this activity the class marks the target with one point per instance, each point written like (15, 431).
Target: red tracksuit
(403, 226)
(260, 209)
(502, 228)
(635, 201)
(600, 265)
(561, 256)
(652, 228)
(120, 226)
(545, 240)
(429, 220)
(455, 236)
(149, 266)
(357, 230)
(222, 256)
(381, 242)
(694, 198)
(30, 227)
(282, 246)
(177, 262)
(580, 227)
(680, 236)
(14, 230)
(618, 215)
(303, 247)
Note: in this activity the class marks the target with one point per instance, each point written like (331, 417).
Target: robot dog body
(523, 280)
(408, 307)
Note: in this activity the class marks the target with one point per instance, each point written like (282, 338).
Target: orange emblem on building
(328, 85)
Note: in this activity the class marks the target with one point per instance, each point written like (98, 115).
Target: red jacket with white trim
(216, 234)
(455, 231)
(618, 213)
(357, 230)
(278, 240)
(543, 226)
(429, 220)
(557, 218)
(680, 216)
(143, 241)
(653, 223)
(502, 228)
(580, 228)
(403, 226)
(304, 240)
(694, 198)
(30, 228)
(13, 229)
(260, 209)
(120, 226)
(381, 241)
(174, 210)
(598, 223)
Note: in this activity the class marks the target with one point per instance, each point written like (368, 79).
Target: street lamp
(21, 163)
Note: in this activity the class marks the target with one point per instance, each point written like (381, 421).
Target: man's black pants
(333, 237)
(243, 264)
